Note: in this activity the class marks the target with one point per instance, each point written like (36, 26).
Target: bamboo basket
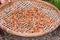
(7, 8)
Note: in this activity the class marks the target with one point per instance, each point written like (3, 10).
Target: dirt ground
(55, 35)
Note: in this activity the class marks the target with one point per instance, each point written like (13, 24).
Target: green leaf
(54, 2)
(57, 3)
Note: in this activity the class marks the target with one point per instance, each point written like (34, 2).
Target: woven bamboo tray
(48, 12)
